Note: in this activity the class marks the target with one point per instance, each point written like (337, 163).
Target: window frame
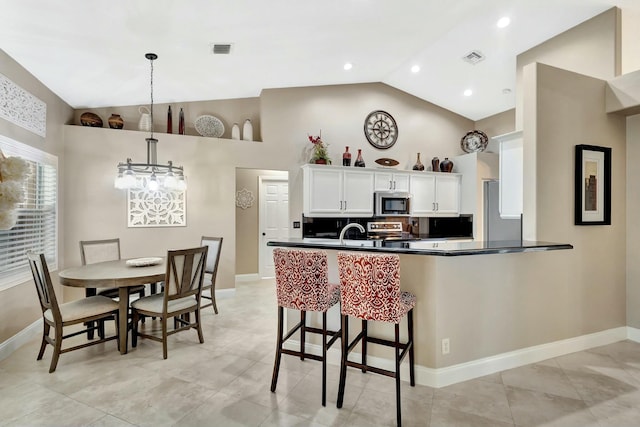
(11, 147)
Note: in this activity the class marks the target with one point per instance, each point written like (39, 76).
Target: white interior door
(274, 219)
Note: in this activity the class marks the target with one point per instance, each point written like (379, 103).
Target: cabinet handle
(433, 206)
(390, 185)
(340, 204)
(394, 185)
(345, 205)
(437, 206)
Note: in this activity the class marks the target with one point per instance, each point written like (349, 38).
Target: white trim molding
(442, 377)
(247, 277)
(21, 338)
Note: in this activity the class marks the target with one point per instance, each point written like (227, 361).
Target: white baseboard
(477, 368)
(225, 293)
(24, 336)
(247, 277)
(633, 334)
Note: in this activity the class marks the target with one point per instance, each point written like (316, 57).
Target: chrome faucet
(348, 226)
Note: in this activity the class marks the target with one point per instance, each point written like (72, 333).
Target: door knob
(264, 234)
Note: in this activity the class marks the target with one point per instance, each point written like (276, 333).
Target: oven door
(392, 204)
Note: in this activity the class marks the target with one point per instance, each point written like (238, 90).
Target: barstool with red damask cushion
(370, 290)
(302, 284)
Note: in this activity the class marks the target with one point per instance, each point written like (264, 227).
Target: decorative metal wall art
(161, 208)
(22, 108)
(244, 199)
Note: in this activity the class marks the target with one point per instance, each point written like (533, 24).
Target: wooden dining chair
(181, 297)
(58, 316)
(94, 251)
(211, 269)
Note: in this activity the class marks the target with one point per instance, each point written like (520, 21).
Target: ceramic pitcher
(145, 119)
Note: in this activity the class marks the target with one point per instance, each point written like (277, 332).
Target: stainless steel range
(388, 231)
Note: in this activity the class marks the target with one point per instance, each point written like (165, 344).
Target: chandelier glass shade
(150, 175)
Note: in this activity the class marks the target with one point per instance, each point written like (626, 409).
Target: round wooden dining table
(114, 274)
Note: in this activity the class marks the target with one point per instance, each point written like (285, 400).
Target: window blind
(36, 228)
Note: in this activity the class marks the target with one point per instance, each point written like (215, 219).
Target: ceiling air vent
(473, 57)
(221, 48)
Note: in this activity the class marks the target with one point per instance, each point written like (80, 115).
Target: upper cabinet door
(358, 192)
(390, 181)
(423, 192)
(448, 194)
(323, 191)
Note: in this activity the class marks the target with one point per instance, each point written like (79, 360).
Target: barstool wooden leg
(303, 334)
(324, 358)
(276, 364)
(397, 376)
(344, 323)
(412, 370)
(364, 346)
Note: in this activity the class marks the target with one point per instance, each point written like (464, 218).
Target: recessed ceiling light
(506, 91)
(348, 66)
(468, 92)
(503, 22)
(415, 69)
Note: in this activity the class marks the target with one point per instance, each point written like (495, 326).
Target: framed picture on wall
(593, 185)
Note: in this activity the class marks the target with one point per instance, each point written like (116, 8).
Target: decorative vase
(359, 161)
(181, 122)
(235, 131)
(91, 119)
(247, 131)
(446, 165)
(144, 124)
(115, 121)
(435, 164)
(418, 166)
(169, 121)
(320, 161)
(346, 157)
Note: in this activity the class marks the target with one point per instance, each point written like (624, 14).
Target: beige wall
(589, 48)
(629, 39)
(247, 220)
(19, 305)
(633, 225)
(289, 115)
(493, 304)
(498, 124)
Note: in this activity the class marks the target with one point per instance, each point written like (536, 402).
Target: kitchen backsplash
(426, 228)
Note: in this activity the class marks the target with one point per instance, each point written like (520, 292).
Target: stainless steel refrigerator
(496, 228)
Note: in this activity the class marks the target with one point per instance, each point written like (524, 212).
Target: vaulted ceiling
(91, 54)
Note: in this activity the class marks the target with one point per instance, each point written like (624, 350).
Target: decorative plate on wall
(473, 141)
(209, 126)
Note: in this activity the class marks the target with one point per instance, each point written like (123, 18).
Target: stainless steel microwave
(391, 203)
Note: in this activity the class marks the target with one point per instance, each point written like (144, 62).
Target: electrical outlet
(296, 224)
(445, 346)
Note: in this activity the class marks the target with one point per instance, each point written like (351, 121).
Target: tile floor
(225, 382)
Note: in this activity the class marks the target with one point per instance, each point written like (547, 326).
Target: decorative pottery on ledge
(91, 119)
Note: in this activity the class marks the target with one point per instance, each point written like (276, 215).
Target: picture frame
(592, 185)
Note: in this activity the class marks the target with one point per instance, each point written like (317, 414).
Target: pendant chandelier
(150, 175)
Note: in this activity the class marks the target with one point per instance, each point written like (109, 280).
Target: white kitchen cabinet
(435, 194)
(511, 175)
(392, 181)
(337, 191)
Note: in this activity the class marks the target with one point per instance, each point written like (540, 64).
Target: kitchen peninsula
(487, 308)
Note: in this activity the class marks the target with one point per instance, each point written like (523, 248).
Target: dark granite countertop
(424, 247)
